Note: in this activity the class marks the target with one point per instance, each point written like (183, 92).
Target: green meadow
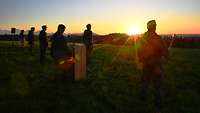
(112, 84)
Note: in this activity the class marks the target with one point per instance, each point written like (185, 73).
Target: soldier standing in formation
(60, 51)
(22, 38)
(43, 43)
(88, 41)
(31, 39)
(150, 54)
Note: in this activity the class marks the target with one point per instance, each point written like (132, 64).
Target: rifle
(171, 43)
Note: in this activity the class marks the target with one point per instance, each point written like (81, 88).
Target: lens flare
(134, 30)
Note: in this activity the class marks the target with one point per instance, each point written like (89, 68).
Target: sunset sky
(106, 16)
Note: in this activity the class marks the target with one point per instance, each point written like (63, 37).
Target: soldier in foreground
(150, 54)
(31, 39)
(43, 44)
(60, 51)
(88, 41)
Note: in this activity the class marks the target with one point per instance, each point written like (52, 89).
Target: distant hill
(2, 32)
(8, 32)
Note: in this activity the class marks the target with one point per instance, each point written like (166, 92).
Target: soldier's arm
(84, 36)
(92, 38)
(52, 49)
(40, 36)
(164, 48)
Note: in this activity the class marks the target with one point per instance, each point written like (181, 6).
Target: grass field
(112, 84)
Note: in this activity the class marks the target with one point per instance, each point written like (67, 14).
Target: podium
(79, 54)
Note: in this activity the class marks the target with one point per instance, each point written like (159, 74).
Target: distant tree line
(123, 39)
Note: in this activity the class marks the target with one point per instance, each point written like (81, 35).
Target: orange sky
(172, 16)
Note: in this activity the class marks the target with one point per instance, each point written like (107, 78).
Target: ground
(112, 84)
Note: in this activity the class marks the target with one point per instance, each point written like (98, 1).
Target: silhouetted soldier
(22, 38)
(88, 41)
(43, 43)
(150, 54)
(60, 51)
(31, 39)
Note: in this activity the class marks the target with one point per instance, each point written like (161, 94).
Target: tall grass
(112, 85)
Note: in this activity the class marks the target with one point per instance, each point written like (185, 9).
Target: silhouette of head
(88, 26)
(61, 29)
(151, 25)
(32, 28)
(44, 27)
(22, 31)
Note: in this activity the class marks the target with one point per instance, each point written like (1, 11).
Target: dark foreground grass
(112, 84)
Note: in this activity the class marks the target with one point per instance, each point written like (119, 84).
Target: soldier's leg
(87, 54)
(30, 48)
(157, 80)
(42, 55)
(144, 84)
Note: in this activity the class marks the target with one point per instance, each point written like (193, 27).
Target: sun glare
(134, 30)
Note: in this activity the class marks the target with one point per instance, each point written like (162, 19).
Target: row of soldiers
(151, 51)
(59, 46)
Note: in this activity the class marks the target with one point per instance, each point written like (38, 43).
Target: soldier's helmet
(44, 27)
(32, 28)
(151, 24)
(22, 31)
(88, 26)
(61, 28)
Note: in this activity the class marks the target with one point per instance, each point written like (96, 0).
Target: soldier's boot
(157, 101)
(157, 93)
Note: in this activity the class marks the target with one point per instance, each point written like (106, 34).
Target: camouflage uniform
(87, 40)
(31, 39)
(43, 45)
(61, 52)
(150, 55)
(59, 46)
(22, 38)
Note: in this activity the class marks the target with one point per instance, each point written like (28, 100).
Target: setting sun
(134, 30)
